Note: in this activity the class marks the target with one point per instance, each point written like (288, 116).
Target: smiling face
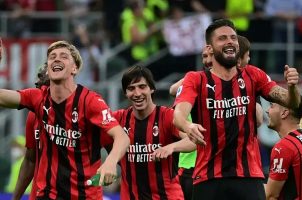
(61, 64)
(139, 93)
(225, 47)
(274, 113)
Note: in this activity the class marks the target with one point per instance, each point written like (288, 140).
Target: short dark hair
(244, 45)
(134, 74)
(217, 24)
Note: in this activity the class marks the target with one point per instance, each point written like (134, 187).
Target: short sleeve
(281, 159)
(30, 98)
(264, 83)
(99, 113)
(187, 92)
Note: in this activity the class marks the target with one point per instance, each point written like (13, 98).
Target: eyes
(132, 87)
(53, 56)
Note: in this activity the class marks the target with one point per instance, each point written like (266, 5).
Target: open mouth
(230, 51)
(57, 68)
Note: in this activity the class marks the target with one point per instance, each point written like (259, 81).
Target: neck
(60, 92)
(222, 72)
(287, 127)
(143, 114)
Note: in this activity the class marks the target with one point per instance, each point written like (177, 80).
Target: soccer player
(222, 102)
(149, 127)
(71, 121)
(284, 180)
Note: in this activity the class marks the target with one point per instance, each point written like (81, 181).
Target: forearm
(120, 145)
(180, 121)
(25, 176)
(294, 97)
(184, 145)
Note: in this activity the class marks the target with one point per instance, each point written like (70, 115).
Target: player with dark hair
(285, 180)
(222, 102)
(149, 128)
(72, 120)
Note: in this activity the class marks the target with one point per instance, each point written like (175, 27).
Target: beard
(228, 63)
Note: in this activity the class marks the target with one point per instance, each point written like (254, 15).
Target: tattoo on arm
(279, 95)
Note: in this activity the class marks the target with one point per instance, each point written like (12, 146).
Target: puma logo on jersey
(211, 87)
(277, 149)
(47, 110)
(127, 130)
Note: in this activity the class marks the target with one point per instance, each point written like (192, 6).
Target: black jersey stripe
(144, 191)
(229, 154)
(245, 163)
(213, 134)
(158, 168)
(64, 169)
(77, 149)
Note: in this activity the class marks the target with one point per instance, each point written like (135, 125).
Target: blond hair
(73, 51)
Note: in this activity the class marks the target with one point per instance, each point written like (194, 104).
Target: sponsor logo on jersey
(141, 152)
(227, 108)
(61, 136)
(277, 166)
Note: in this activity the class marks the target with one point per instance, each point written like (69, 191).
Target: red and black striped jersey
(226, 109)
(70, 141)
(286, 165)
(32, 142)
(141, 177)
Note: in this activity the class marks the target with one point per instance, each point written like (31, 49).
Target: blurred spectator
(283, 12)
(17, 156)
(46, 25)
(138, 30)
(77, 10)
(90, 53)
(19, 23)
(216, 7)
(239, 12)
(185, 38)
(112, 11)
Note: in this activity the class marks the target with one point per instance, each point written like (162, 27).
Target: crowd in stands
(143, 25)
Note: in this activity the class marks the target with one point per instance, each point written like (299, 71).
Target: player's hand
(291, 75)
(195, 133)
(162, 153)
(108, 172)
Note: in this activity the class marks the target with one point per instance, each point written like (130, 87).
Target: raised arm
(290, 98)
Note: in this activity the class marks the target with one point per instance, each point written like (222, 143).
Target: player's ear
(285, 113)
(74, 71)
